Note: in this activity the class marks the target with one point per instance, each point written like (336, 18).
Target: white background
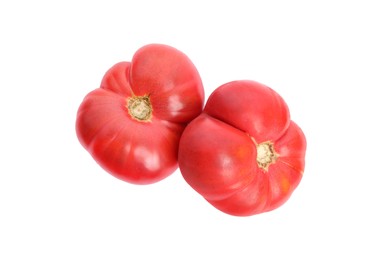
(330, 61)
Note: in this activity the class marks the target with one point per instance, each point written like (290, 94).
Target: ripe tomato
(132, 124)
(243, 154)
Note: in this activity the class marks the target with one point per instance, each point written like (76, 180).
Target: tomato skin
(218, 150)
(216, 158)
(133, 150)
(252, 107)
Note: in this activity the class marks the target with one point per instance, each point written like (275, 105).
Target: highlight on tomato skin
(131, 125)
(243, 154)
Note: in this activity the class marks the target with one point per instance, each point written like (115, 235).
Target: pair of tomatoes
(241, 151)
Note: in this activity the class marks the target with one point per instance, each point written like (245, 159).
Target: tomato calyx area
(266, 154)
(140, 108)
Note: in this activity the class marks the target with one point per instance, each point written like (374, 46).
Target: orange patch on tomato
(285, 185)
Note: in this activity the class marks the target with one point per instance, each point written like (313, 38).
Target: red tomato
(243, 154)
(132, 124)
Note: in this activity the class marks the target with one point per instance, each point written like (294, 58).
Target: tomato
(243, 154)
(132, 124)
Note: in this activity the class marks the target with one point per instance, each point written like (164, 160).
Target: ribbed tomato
(132, 124)
(243, 154)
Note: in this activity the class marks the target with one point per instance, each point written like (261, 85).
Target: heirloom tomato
(243, 154)
(132, 124)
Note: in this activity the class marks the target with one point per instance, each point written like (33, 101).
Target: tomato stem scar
(266, 155)
(140, 108)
